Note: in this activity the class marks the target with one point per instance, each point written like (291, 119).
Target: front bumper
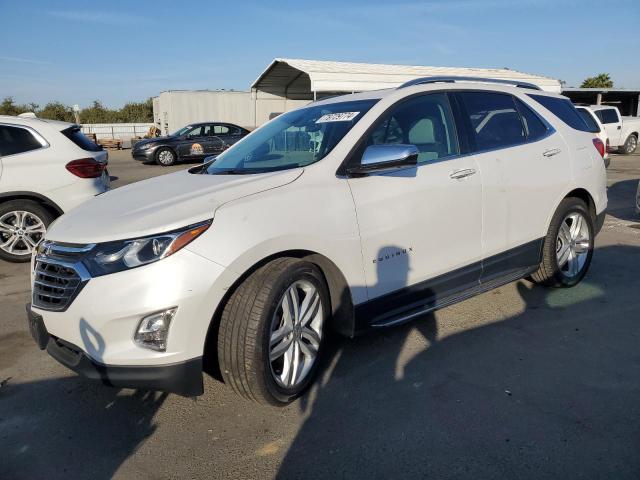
(183, 378)
(147, 155)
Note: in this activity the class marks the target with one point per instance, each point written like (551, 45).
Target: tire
(255, 314)
(630, 144)
(166, 157)
(554, 271)
(23, 224)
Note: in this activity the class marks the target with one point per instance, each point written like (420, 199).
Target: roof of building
(327, 76)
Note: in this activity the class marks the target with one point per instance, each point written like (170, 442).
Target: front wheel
(568, 246)
(23, 224)
(166, 157)
(630, 145)
(272, 331)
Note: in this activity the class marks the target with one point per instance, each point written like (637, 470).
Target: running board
(455, 298)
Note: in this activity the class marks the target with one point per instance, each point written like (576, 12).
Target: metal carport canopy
(327, 76)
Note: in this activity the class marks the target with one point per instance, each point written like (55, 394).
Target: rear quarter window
(588, 119)
(564, 110)
(14, 140)
(80, 139)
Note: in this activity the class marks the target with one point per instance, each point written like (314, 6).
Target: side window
(533, 126)
(495, 122)
(608, 115)
(589, 120)
(425, 121)
(195, 132)
(564, 110)
(15, 140)
(220, 129)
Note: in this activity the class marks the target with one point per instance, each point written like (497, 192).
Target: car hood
(159, 205)
(168, 138)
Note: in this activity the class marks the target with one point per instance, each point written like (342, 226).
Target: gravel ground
(520, 382)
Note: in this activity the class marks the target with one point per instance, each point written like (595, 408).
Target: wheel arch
(49, 204)
(342, 319)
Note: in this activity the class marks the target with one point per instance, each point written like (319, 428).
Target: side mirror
(385, 158)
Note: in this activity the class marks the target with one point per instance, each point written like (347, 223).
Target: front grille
(55, 285)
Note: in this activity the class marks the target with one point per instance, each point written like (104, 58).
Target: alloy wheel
(165, 157)
(573, 244)
(20, 232)
(632, 143)
(296, 333)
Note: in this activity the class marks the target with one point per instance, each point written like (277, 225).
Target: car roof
(600, 107)
(35, 122)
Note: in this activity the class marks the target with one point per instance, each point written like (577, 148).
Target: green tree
(602, 80)
(56, 111)
(98, 113)
(9, 107)
(136, 112)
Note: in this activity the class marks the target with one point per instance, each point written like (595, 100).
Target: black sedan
(193, 142)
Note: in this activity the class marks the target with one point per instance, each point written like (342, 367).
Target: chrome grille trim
(56, 282)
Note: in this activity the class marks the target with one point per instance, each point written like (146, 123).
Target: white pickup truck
(622, 131)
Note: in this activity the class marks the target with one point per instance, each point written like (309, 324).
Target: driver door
(192, 145)
(420, 227)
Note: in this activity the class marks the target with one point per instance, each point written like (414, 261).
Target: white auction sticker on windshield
(338, 117)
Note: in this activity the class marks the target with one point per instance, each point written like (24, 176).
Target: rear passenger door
(524, 167)
(419, 224)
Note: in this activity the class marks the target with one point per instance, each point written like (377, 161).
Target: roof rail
(448, 79)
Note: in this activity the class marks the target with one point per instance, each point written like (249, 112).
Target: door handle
(466, 172)
(619, 127)
(551, 152)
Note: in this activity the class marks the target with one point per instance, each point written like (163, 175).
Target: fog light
(153, 329)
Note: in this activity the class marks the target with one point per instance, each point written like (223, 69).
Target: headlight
(111, 257)
(147, 146)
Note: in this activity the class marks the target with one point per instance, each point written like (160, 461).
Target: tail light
(599, 146)
(86, 168)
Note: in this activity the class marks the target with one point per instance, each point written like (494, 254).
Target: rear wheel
(272, 331)
(630, 144)
(568, 246)
(23, 224)
(166, 157)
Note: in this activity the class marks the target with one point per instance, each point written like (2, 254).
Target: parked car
(638, 200)
(592, 121)
(46, 168)
(416, 198)
(193, 142)
(622, 131)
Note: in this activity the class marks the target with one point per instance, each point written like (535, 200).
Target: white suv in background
(46, 168)
(623, 132)
(352, 213)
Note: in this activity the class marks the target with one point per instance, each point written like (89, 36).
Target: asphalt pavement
(520, 382)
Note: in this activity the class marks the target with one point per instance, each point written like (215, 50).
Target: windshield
(294, 139)
(182, 131)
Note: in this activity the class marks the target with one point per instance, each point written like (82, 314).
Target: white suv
(46, 168)
(356, 212)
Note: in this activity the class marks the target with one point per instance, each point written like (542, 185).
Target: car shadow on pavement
(622, 200)
(549, 393)
(72, 428)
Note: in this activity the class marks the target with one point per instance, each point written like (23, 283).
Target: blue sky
(119, 51)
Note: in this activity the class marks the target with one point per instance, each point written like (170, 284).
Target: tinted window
(425, 121)
(564, 110)
(495, 122)
(16, 140)
(588, 119)
(533, 126)
(80, 139)
(607, 115)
